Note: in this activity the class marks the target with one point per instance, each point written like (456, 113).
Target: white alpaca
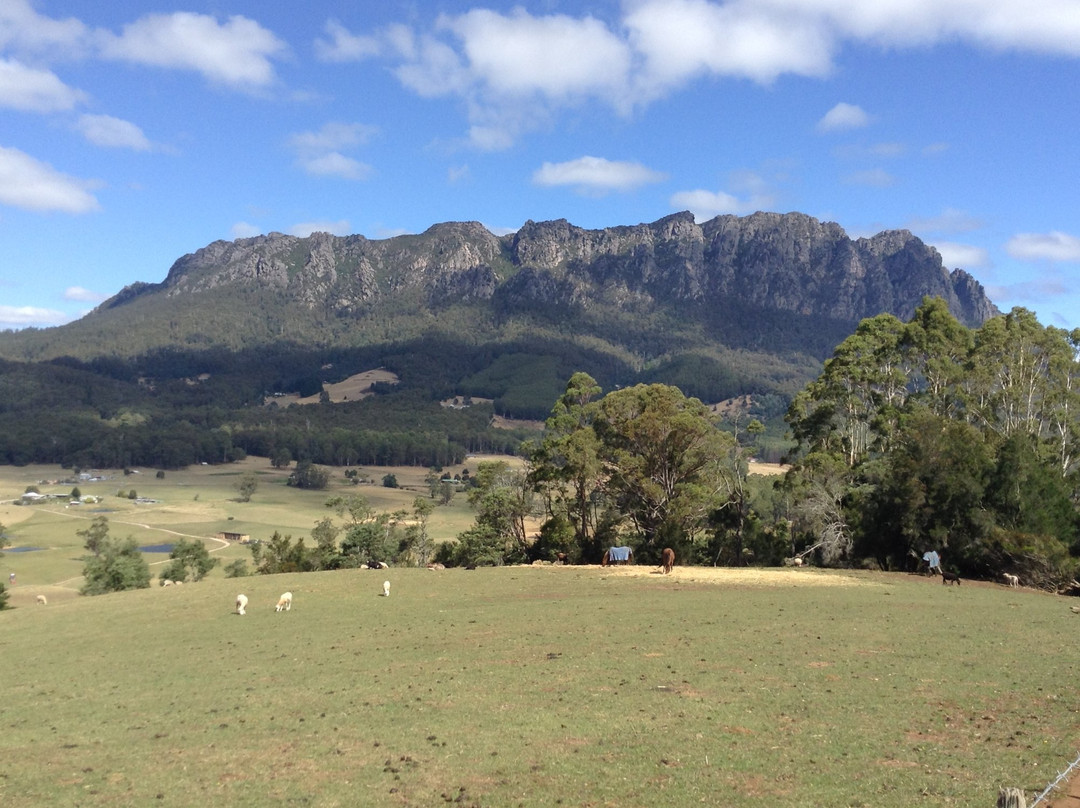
(241, 604)
(41, 599)
(386, 589)
(1012, 580)
(284, 602)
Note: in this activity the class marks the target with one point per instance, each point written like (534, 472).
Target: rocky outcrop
(767, 261)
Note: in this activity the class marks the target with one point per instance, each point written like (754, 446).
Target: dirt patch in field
(747, 576)
(354, 388)
(766, 469)
(499, 422)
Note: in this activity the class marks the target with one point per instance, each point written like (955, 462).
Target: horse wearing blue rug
(618, 555)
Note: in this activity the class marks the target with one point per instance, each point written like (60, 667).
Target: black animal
(949, 578)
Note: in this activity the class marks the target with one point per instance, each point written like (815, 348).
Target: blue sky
(132, 133)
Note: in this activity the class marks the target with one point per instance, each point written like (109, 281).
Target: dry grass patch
(354, 388)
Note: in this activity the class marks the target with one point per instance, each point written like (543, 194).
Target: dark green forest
(172, 407)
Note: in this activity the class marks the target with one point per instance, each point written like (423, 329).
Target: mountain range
(733, 305)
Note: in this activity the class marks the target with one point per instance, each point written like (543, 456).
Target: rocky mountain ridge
(765, 261)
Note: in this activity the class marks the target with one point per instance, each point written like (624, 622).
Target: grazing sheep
(166, 582)
(1012, 580)
(284, 602)
(241, 604)
(436, 566)
(42, 600)
(386, 589)
(797, 561)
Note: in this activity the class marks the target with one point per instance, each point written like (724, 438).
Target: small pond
(21, 549)
(157, 548)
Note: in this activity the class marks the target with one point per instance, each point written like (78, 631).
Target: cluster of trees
(917, 436)
(927, 435)
(362, 536)
(645, 466)
(114, 565)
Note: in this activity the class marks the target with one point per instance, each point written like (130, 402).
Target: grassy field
(545, 686)
(520, 686)
(197, 502)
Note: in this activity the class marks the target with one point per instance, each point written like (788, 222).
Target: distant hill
(732, 307)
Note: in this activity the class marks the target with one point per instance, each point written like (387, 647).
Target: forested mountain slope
(732, 307)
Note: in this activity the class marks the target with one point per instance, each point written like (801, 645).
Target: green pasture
(540, 686)
(198, 502)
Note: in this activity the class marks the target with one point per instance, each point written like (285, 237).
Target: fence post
(1011, 798)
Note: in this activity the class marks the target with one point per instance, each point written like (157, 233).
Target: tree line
(916, 436)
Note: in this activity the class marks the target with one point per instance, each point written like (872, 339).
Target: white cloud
(1052, 246)
(305, 229)
(32, 90)
(965, 256)
(1046, 26)
(843, 116)
(342, 46)
(33, 185)
(514, 70)
(236, 53)
(677, 40)
(105, 130)
(556, 56)
(318, 153)
(596, 175)
(873, 178)
(334, 164)
(81, 295)
(333, 136)
(245, 230)
(23, 30)
(706, 205)
(25, 316)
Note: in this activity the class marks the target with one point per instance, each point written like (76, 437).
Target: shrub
(236, 569)
(119, 565)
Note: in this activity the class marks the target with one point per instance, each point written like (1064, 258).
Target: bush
(236, 569)
(118, 566)
(189, 561)
(309, 476)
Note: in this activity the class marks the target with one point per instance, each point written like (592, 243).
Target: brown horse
(617, 555)
(667, 559)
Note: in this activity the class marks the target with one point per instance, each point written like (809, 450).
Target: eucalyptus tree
(936, 347)
(566, 465)
(664, 460)
(504, 501)
(851, 408)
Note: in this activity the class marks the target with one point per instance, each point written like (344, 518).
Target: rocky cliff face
(783, 262)
(787, 262)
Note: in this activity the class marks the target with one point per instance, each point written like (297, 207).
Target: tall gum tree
(663, 457)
